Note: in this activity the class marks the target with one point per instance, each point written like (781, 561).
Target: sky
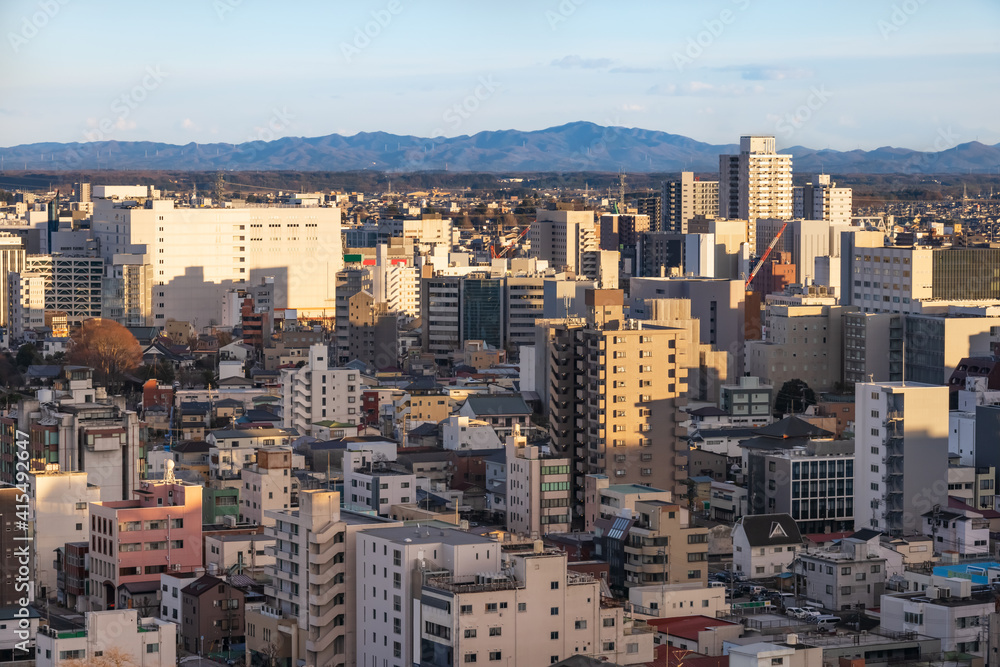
(845, 75)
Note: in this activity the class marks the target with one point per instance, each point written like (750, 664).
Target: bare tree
(107, 347)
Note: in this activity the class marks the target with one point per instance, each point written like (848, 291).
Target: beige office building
(562, 237)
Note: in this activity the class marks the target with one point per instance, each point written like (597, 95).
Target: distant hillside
(575, 147)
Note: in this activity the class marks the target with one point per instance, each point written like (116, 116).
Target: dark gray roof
(726, 432)
(864, 534)
(425, 429)
(499, 404)
(44, 371)
(793, 427)
(770, 529)
(709, 411)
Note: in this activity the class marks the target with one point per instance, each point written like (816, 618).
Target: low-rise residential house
(765, 545)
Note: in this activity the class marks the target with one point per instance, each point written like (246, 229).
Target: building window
(495, 655)
(470, 633)
(553, 611)
(580, 625)
(554, 634)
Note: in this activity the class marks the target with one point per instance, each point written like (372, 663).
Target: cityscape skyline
(886, 74)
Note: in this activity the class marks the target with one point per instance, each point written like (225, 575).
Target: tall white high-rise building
(197, 254)
(901, 455)
(757, 183)
(821, 199)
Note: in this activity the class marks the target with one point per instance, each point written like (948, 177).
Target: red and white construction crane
(763, 259)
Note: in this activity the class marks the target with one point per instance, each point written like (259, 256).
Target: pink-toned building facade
(134, 541)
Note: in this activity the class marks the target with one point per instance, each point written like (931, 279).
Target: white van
(716, 584)
(826, 622)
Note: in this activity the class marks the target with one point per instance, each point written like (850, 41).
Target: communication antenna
(220, 190)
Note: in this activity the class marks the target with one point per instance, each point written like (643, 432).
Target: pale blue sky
(858, 74)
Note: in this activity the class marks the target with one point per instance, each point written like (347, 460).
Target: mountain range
(574, 147)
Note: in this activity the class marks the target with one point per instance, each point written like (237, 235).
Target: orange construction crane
(763, 259)
(509, 246)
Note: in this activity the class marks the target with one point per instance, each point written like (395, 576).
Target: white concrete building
(392, 564)
(147, 642)
(901, 454)
(316, 392)
(946, 610)
(375, 483)
(58, 511)
(674, 600)
(851, 573)
(460, 432)
(821, 199)
(247, 553)
(268, 485)
(961, 531)
(197, 254)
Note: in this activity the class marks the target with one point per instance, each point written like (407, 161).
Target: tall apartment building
(440, 315)
(350, 281)
(562, 237)
(615, 389)
(371, 332)
(12, 578)
(76, 427)
(268, 485)
(524, 305)
(534, 611)
(316, 392)
(134, 541)
(873, 347)
(652, 207)
(26, 301)
(309, 610)
(822, 200)
(539, 488)
(392, 564)
(58, 511)
(756, 183)
(127, 291)
(901, 453)
(149, 642)
(198, 253)
(803, 240)
(688, 198)
(12, 255)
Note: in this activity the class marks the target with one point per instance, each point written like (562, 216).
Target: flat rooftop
(426, 535)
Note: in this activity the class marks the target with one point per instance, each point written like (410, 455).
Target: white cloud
(188, 124)
(582, 63)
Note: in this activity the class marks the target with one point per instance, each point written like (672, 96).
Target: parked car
(826, 622)
(812, 613)
(795, 612)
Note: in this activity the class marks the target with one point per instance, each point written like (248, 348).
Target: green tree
(793, 397)
(27, 355)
